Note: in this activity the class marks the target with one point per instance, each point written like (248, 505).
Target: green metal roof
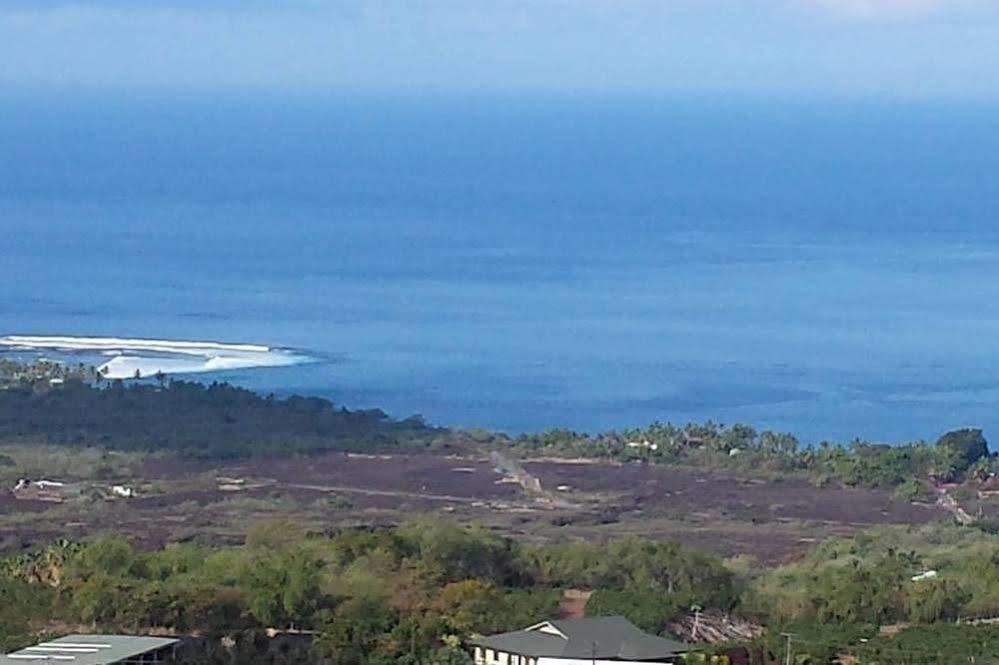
(86, 650)
(607, 638)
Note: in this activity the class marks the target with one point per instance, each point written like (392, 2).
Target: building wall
(484, 656)
(587, 661)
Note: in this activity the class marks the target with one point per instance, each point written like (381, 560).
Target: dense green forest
(217, 420)
(413, 593)
(374, 596)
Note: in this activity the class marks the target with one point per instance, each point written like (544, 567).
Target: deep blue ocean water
(826, 268)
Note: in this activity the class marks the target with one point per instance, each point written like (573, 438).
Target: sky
(927, 49)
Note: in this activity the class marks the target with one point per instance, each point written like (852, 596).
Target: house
(591, 641)
(96, 650)
(38, 490)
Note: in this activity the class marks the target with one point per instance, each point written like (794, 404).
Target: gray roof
(607, 638)
(87, 650)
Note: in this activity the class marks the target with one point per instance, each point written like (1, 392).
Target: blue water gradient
(827, 268)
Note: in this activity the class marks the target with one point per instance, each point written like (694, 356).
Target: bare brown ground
(187, 500)
(688, 493)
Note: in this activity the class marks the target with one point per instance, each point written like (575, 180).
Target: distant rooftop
(607, 638)
(89, 650)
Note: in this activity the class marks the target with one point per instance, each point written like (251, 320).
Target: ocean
(828, 268)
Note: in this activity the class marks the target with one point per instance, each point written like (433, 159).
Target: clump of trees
(893, 574)
(647, 581)
(939, 644)
(963, 447)
(935, 644)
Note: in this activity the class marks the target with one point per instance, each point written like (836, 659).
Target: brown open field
(185, 499)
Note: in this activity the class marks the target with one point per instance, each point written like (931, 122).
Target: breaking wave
(148, 357)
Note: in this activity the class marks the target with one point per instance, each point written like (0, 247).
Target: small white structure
(595, 641)
(24, 483)
(928, 575)
(648, 445)
(123, 491)
(226, 480)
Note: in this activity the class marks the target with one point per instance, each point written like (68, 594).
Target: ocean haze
(921, 49)
(827, 268)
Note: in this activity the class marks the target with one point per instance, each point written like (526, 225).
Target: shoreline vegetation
(412, 592)
(76, 406)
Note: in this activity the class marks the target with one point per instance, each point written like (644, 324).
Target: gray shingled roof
(607, 638)
(86, 650)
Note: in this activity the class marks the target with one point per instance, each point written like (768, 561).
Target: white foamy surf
(147, 357)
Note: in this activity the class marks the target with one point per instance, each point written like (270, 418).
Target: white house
(594, 641)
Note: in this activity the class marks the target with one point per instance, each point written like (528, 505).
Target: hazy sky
(894, 48)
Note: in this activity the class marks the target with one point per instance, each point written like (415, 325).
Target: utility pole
(696, 609)
(787, 649)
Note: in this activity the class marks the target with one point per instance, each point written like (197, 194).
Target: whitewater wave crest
(147, 357)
